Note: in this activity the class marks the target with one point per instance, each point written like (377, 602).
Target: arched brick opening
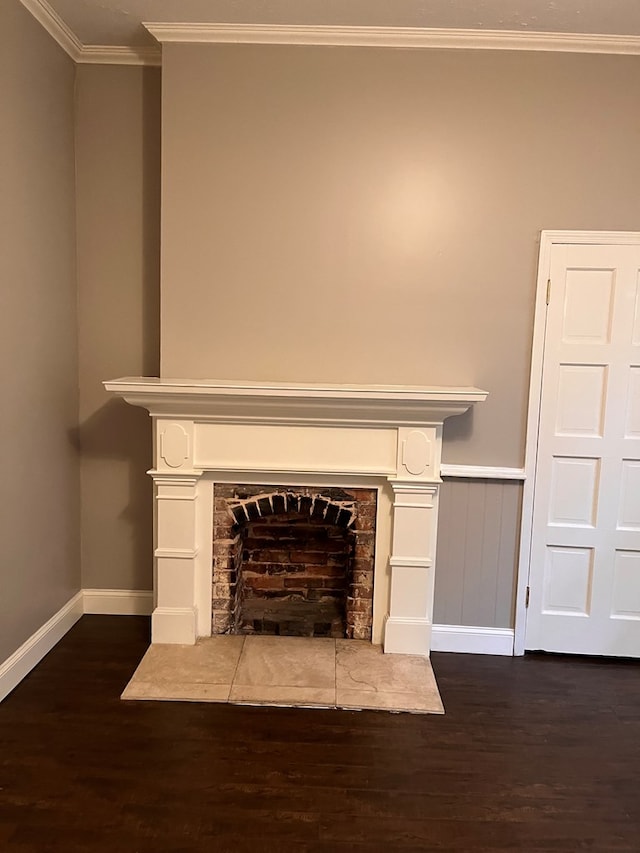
(293, 561)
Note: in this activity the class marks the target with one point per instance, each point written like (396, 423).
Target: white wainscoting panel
(478, 534)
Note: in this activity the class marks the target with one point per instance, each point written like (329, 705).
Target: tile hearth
(291, 671)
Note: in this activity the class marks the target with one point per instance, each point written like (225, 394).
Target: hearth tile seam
(235, 671)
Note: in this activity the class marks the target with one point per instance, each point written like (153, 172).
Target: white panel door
(584, 577)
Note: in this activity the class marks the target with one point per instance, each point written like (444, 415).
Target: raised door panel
(588, 306)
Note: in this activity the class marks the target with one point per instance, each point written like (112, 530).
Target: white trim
(92, 54)
(481, 472)
(31, 652)
(99, 54)
(398, 37)
(547, 240)
(272, 403)
(358, 36)
(410, 562)
(134, 602)
(588, 238)
(118, 602)
(175, 625)
(407, 636)
(55, 26)
(472, 640)
(176, 553)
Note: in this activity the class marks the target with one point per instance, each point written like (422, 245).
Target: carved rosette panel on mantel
(207, 431)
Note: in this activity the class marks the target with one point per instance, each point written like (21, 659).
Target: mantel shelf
(241, 401)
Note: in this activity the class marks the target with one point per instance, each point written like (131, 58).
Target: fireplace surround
(287, 434)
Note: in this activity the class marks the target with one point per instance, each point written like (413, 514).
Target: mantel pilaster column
(174, 619)
(181, 509)
(413, 545)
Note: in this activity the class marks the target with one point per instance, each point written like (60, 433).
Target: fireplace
(294, 561)
(280, 438)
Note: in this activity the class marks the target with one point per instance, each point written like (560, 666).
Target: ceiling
(119, 22)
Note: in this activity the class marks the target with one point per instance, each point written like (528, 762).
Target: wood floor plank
(540, 753)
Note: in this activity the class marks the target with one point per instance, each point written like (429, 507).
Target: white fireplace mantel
(245, 401)
(207, 430)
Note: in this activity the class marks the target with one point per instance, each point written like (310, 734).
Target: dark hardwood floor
(538, 753)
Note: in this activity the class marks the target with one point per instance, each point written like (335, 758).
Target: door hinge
(548, 290)
(526, 597)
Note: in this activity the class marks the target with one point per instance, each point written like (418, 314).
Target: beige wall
(348, 215)
(39, 487)
(118, 197)
(365, 215)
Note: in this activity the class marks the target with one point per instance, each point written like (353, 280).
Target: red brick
(362, 564)
(270, 556)
(300, 582)
(262, 530)
(224, 576)
(221, 623)
(359, 605)
(365, 548)
(267, 582)
(223, 516)
(224, 490)
(251, 569)
(330, 546)
(308, 557)
(366, 510)
(326, 571)
(254, 543)
(365, 592)
(357, 632)
(223, 547)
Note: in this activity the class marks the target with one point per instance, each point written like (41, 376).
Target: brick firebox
(293, 560)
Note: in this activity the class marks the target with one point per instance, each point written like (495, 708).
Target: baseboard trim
(31, 652)
(472, 640)
(118, 602)
(135, 602)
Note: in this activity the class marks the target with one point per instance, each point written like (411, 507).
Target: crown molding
(92, 54)
(55, 26)
(398, 37)
(97, 54)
